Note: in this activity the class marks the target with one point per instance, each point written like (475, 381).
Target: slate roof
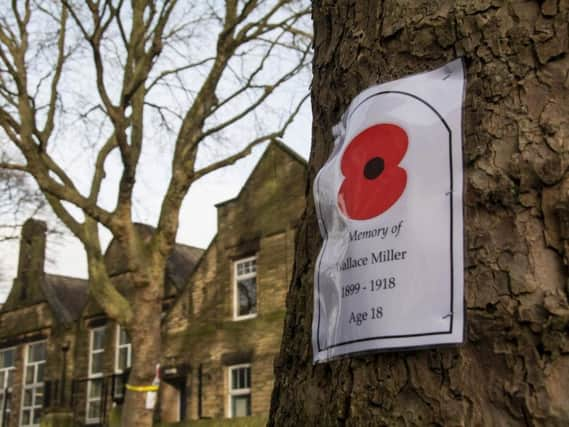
(179, 265)
(67, 296)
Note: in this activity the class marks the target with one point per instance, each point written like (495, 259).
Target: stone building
(232, 313)
(104, 353)
(223, 314)
(38, 329)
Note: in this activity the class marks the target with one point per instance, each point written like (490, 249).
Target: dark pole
(64, 350)
(5, 406)
(200, 386)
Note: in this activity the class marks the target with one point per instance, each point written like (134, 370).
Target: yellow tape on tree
(142, 388)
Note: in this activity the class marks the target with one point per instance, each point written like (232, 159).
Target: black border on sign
(451, 315)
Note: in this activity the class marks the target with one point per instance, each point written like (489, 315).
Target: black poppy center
(373, 168)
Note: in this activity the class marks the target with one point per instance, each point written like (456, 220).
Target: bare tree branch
(13, 167)
(186, 67)
(17, 198)
(254, 105)
(247, 150)
(99, 172)
(102, 289)
(201, 71)
(94, 41)
(48, 128)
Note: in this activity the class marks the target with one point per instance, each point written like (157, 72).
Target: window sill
(246, 317)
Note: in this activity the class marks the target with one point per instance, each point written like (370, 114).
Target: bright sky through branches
(198, 222)
(265, 80)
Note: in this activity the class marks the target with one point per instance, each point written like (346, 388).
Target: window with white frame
(245, 288)
(95, 383)
(239, 390)
(7, 366)
(32, 398)
(123, 358)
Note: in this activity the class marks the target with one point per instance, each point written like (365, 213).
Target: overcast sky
(198, 219)
(81, 129)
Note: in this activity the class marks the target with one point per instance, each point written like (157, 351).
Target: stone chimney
(32, 254)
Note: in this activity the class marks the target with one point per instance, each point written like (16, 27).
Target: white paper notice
(389, 202)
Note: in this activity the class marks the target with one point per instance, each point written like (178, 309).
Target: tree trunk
(146, 347)
(514, 366)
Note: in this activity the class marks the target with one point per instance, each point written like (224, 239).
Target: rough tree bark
(514, 366)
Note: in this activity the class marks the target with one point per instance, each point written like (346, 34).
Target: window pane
(39, 372)
(98, 339)
(7, 358)
(38, 400)
(10, 379)
(28, 397)
(123, 359)
(240, 378)
(247, 296)
(95, 389)
(123, 337)
(41, 352)
(241, 406)
(25, 417)
(30, 370)
(36, 352)
(97, 363)
(94, 410)
(2, 379)
(37, 415)
(246, 267)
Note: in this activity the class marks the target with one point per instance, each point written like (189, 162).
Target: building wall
(19, 323)
(200, 330)
(57, 371)
(19, 327)
(32, 313)
(201, 337)
(36, 324)
(17, 387)
(81, 357)
(212, 338)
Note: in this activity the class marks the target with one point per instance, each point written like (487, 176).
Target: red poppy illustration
(374, 181)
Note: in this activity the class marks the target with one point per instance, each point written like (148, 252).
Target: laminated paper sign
(389, 202)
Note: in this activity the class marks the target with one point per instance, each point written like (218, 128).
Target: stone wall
(81, 358)
(200, 329)
(201, 338)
